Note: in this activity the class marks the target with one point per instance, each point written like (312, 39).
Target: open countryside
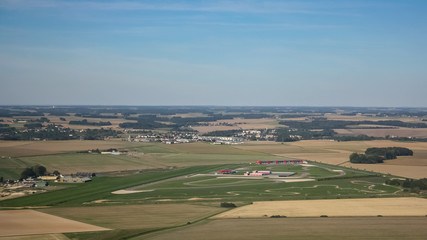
(130, 182)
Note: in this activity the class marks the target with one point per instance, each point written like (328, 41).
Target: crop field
(332, 207)
(141, 156)
(416, 172)
(399, 132)
(135, 218)
(38, 148)
(155, 155)
(114, 122)
(26, 222)
(353, 228)
(239, 123)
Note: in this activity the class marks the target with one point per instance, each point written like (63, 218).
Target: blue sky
(282, 53)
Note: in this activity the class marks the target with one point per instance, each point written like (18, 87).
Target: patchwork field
(354, 228)
(141, 156)
(183, 188)
(334, 208)
(238, 123)
(26, 222)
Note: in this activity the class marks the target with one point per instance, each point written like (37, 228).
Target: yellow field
(136, 216)
(335, 207)
(354, 228)
(26, 222)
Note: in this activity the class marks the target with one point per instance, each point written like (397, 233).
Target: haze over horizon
(238, 53)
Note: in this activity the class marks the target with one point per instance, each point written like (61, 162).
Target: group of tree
(293, 134)
(378, 155)
(55, 132)
(414, 185)
(87, 123)
(34, 171)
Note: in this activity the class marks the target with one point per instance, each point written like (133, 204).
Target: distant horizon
(226, 106)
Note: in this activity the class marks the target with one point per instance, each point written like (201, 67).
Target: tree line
(378, 155)
(87, 123)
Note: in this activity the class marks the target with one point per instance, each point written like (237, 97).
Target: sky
(206, 52)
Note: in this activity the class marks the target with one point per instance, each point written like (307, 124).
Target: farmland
(353, 228)
(334, 208)
(337, 153)
(25, 222)
(154, 189)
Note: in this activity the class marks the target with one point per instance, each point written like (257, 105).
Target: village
(231, 138)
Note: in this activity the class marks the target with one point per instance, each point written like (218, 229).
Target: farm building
(48, 177)
(284, 162)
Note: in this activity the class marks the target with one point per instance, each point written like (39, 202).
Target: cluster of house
(187, 137)
(258, 135)
(167, 138)
(179, 137)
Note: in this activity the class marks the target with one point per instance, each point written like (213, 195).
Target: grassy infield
(207, 190)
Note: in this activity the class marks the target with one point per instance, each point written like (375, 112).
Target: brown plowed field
(26, 222)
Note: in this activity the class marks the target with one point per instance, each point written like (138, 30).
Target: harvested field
(355, 228)
(114, 122)
(136, 216)
(36, 148)
(398, 132)
(26, 222)
(419, 159)
(416, 172)
(206, 148)
(370, 118)
(335, 208)
(238, 123)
